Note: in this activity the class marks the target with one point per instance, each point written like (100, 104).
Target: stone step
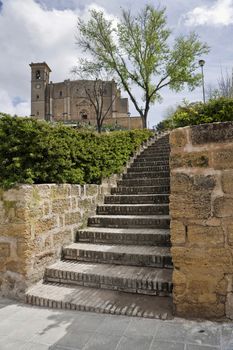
(140, 189)
(80, 298)
(158, 237)
(133, 209)
(144, 182)
(137, 199)
(156, 145)
(143, 169)
(146, 175)
(130, 255)
(130, 221)
(154, 154)
(150, 158)
(129, 279)
(158, 151)
(146, 163)
(164, 146)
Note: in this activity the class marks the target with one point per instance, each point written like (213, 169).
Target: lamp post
(201, 64)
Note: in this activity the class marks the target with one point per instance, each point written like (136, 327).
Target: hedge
(217, 110)
(34, 151)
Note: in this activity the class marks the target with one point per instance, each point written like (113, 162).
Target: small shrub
(37, 152)
(217, 110)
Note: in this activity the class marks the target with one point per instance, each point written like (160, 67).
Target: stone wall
(35, 223)
(201, 208)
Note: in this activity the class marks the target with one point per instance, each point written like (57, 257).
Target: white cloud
(7, 106)
(29, 32)
(219, 14)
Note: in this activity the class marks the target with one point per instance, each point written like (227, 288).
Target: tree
(136, 50)
(224, 87)
(96, 89)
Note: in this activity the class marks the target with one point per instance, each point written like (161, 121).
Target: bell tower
(39, 83)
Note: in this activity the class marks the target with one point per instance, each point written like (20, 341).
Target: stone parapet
(201, 209)
(36, 221)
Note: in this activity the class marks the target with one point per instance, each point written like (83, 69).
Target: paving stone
(135, 343)
(100, 342)
(113, 325)
(141, 326)
(163, 345)
(171, 332)
(203, 335)
(74, 339)
(201, 347)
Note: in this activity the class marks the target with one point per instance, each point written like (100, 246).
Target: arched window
(38, 76)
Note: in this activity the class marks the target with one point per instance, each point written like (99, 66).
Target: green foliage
(138, 51)
(216, 110)
(37, 152)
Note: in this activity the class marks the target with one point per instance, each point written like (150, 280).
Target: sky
(44, 30)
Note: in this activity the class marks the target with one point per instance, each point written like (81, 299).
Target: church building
(68, 101)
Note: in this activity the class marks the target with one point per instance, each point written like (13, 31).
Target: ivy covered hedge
(217, 110)
(37, 152)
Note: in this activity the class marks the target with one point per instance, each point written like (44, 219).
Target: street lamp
(201, 64)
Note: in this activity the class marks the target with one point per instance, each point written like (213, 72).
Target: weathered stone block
(62, 237)
(60, 191)
(182, 182)
(191, 257)
(15, 230)
(179, 283)
(227, 181)
(212, 133)
(85, 203)
(61, 205)
(205, 235)
(229, 306)
(178, 235)
(223, 207)
(92, 190)
(200, 310)
(223, 158)
(72, 218)
(43, 225)
(190, 160)
(5, 249)
(75, 190)
(195, 205)
(228, 225)
(178, 138)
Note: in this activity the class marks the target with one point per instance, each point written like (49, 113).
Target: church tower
(39, 83)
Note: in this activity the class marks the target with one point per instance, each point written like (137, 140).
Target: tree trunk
(144, 121)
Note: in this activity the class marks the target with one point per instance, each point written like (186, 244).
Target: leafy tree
(224, 87)
(136, 50)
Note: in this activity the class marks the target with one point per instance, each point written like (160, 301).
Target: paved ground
(24, 327)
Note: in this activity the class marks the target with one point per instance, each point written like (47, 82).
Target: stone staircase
(121, 263)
